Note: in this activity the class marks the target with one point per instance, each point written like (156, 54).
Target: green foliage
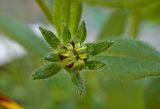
(77, 80)
(52, 57)
(50, 38)
(75, 15)
(81, 33)
(92, 65)
(68, 12)
(130, 59)
(43, 5)
(152, 94)
(47, 71)
(95, 49)
(114, 26)
(18, 31)
(125, 59)
(66, 35)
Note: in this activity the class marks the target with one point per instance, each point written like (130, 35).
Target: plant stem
(45, 10)
(134, 24)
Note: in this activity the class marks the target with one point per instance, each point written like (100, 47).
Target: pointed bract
(47, 71)
(95, 49)
(66, 34)
(50, 38)
(93, 65)
(52, 57)
(81, 33)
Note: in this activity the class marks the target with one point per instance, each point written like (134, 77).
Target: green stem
(45, 10)
(77, 80)
(134, 24)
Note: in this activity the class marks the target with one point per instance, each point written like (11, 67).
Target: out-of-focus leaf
(114, 26)
(47, 71)
(45, 9)
(130, 59)
(123, 94)
(61, 14)
(66, 35)
(50, 38)
(81, 33)
(21, 33)
(152, 94)
(130, 4)
(75, 15)
(52, 57)
(135, 21)
(152, 12)
(98, 48)
(92, 65)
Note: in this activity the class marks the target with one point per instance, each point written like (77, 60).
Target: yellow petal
(9, 104)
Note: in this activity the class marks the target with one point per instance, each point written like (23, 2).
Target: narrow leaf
(45, 9)
(95, 49)
(66, 35)
(50, 38)
(21, 32)
(75, 16)
(61, 14)
(81, 34)
(114, 26)
(47, 71)
(93, 65)
(52, 57)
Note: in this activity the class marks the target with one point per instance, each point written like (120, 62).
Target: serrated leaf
(81, 33)
(50, 38)
(130, 59)
(93, 65)
(75, 16)
(52, 57)
(47, 71)
(95, 49)
(66, 35)
(21, 32)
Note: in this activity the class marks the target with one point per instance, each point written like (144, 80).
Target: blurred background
(20, 56)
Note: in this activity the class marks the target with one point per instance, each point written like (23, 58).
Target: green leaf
(121, 4)
(61, 14)
(66, 35)
(130, 59)
(123, 94)
(152, 94)
(81, 34)
(114, 26)
(20, 32)
(50, 38)
(42, 4)
(95, 49)
(77, 80)
(52, 57)
(75, 16)
(92, 65)
(47, 71)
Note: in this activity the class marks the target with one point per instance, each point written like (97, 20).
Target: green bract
(71, 54)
